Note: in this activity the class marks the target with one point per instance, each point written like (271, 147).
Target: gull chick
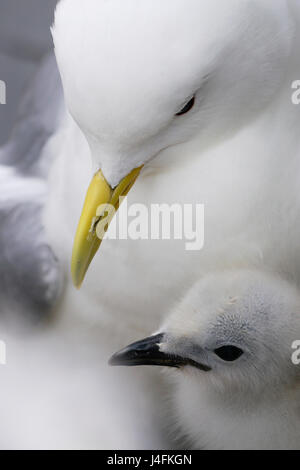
(229, 345)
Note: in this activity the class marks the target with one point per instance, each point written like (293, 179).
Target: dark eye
(229, 353)
(187, 107)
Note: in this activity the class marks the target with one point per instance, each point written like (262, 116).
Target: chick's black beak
(148, 353)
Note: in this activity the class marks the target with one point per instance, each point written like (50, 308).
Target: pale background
(24, 38)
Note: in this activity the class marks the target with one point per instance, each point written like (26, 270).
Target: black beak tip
(118, 359)
(140, 353)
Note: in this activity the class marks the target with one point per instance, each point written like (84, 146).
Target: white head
(129, 66)
(140, 76)
(231, 342)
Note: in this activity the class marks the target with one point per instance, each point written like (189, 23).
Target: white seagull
(237, 386)
(199, 94)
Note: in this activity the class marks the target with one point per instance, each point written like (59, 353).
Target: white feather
(127, 69)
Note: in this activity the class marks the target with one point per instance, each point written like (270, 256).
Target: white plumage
(127, 69)
(238, 142)
(251, 402)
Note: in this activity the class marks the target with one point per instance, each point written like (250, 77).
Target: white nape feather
(249, 403)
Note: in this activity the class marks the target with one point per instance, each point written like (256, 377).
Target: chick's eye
(187, 107)
(229, 353)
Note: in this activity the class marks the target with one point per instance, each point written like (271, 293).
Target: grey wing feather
(39, 116)
(30, 276)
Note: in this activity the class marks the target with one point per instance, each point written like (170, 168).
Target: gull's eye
(229, 353)
(187, 107)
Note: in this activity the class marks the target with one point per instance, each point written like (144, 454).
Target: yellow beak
(100, 205)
